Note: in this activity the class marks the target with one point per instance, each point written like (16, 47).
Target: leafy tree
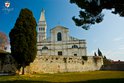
(91, 11)
(23, 39)
(99, 52)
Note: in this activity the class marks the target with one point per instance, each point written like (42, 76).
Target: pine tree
(23, 39)
(91, 11)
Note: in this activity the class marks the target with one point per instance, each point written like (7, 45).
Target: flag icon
(7, 4)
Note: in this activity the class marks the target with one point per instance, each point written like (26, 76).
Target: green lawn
(82, 77)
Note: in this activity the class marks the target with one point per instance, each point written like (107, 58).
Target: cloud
(118, 39)
(121, 48)
(114, 54)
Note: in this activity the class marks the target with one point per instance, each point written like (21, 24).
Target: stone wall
(114, 67)
(55, 64)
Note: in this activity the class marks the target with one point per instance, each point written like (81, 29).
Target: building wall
(62, 30)
(65, 47)
(55, 64)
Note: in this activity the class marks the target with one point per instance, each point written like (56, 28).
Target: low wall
(55, 64)
(114, 67)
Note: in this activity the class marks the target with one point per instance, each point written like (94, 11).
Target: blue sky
(108, 35)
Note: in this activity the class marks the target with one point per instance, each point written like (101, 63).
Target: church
(61, 52)
(60, 43)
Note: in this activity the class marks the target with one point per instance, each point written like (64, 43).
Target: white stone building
(60, 43)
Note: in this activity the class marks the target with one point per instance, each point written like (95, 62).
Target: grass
(82, 77)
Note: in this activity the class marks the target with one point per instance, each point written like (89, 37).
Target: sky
(108, 35)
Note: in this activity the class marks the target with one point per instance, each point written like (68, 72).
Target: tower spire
(42, 16)
(42, 27)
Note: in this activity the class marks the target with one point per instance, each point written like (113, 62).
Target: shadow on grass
(121, 80)
(24, 81)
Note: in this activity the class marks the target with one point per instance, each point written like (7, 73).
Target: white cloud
(115, 54)
(121, 48)
(118, 39)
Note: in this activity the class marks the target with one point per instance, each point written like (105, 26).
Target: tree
(23, 39)
(95, 54)
(99, 52)
(91, 11)
(104, 57)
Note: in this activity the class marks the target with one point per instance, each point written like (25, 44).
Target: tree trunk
(23, 69)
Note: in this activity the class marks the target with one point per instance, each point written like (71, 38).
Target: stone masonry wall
(55, 64)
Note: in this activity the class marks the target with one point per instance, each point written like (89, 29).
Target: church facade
(60, 43)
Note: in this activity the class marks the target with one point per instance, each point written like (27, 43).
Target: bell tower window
(59, 36)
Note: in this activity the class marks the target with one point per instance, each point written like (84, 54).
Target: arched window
(74, 46)
(59, 36)
(45, 48)
(39, 29)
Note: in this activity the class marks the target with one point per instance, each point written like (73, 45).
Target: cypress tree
(23, 39)
(99, 52)
(95, 54)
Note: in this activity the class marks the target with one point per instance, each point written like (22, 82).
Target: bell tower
(42, 27)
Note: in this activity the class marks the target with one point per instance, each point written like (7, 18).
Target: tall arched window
(59, 36)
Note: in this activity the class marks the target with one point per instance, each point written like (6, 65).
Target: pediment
(59, 28)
